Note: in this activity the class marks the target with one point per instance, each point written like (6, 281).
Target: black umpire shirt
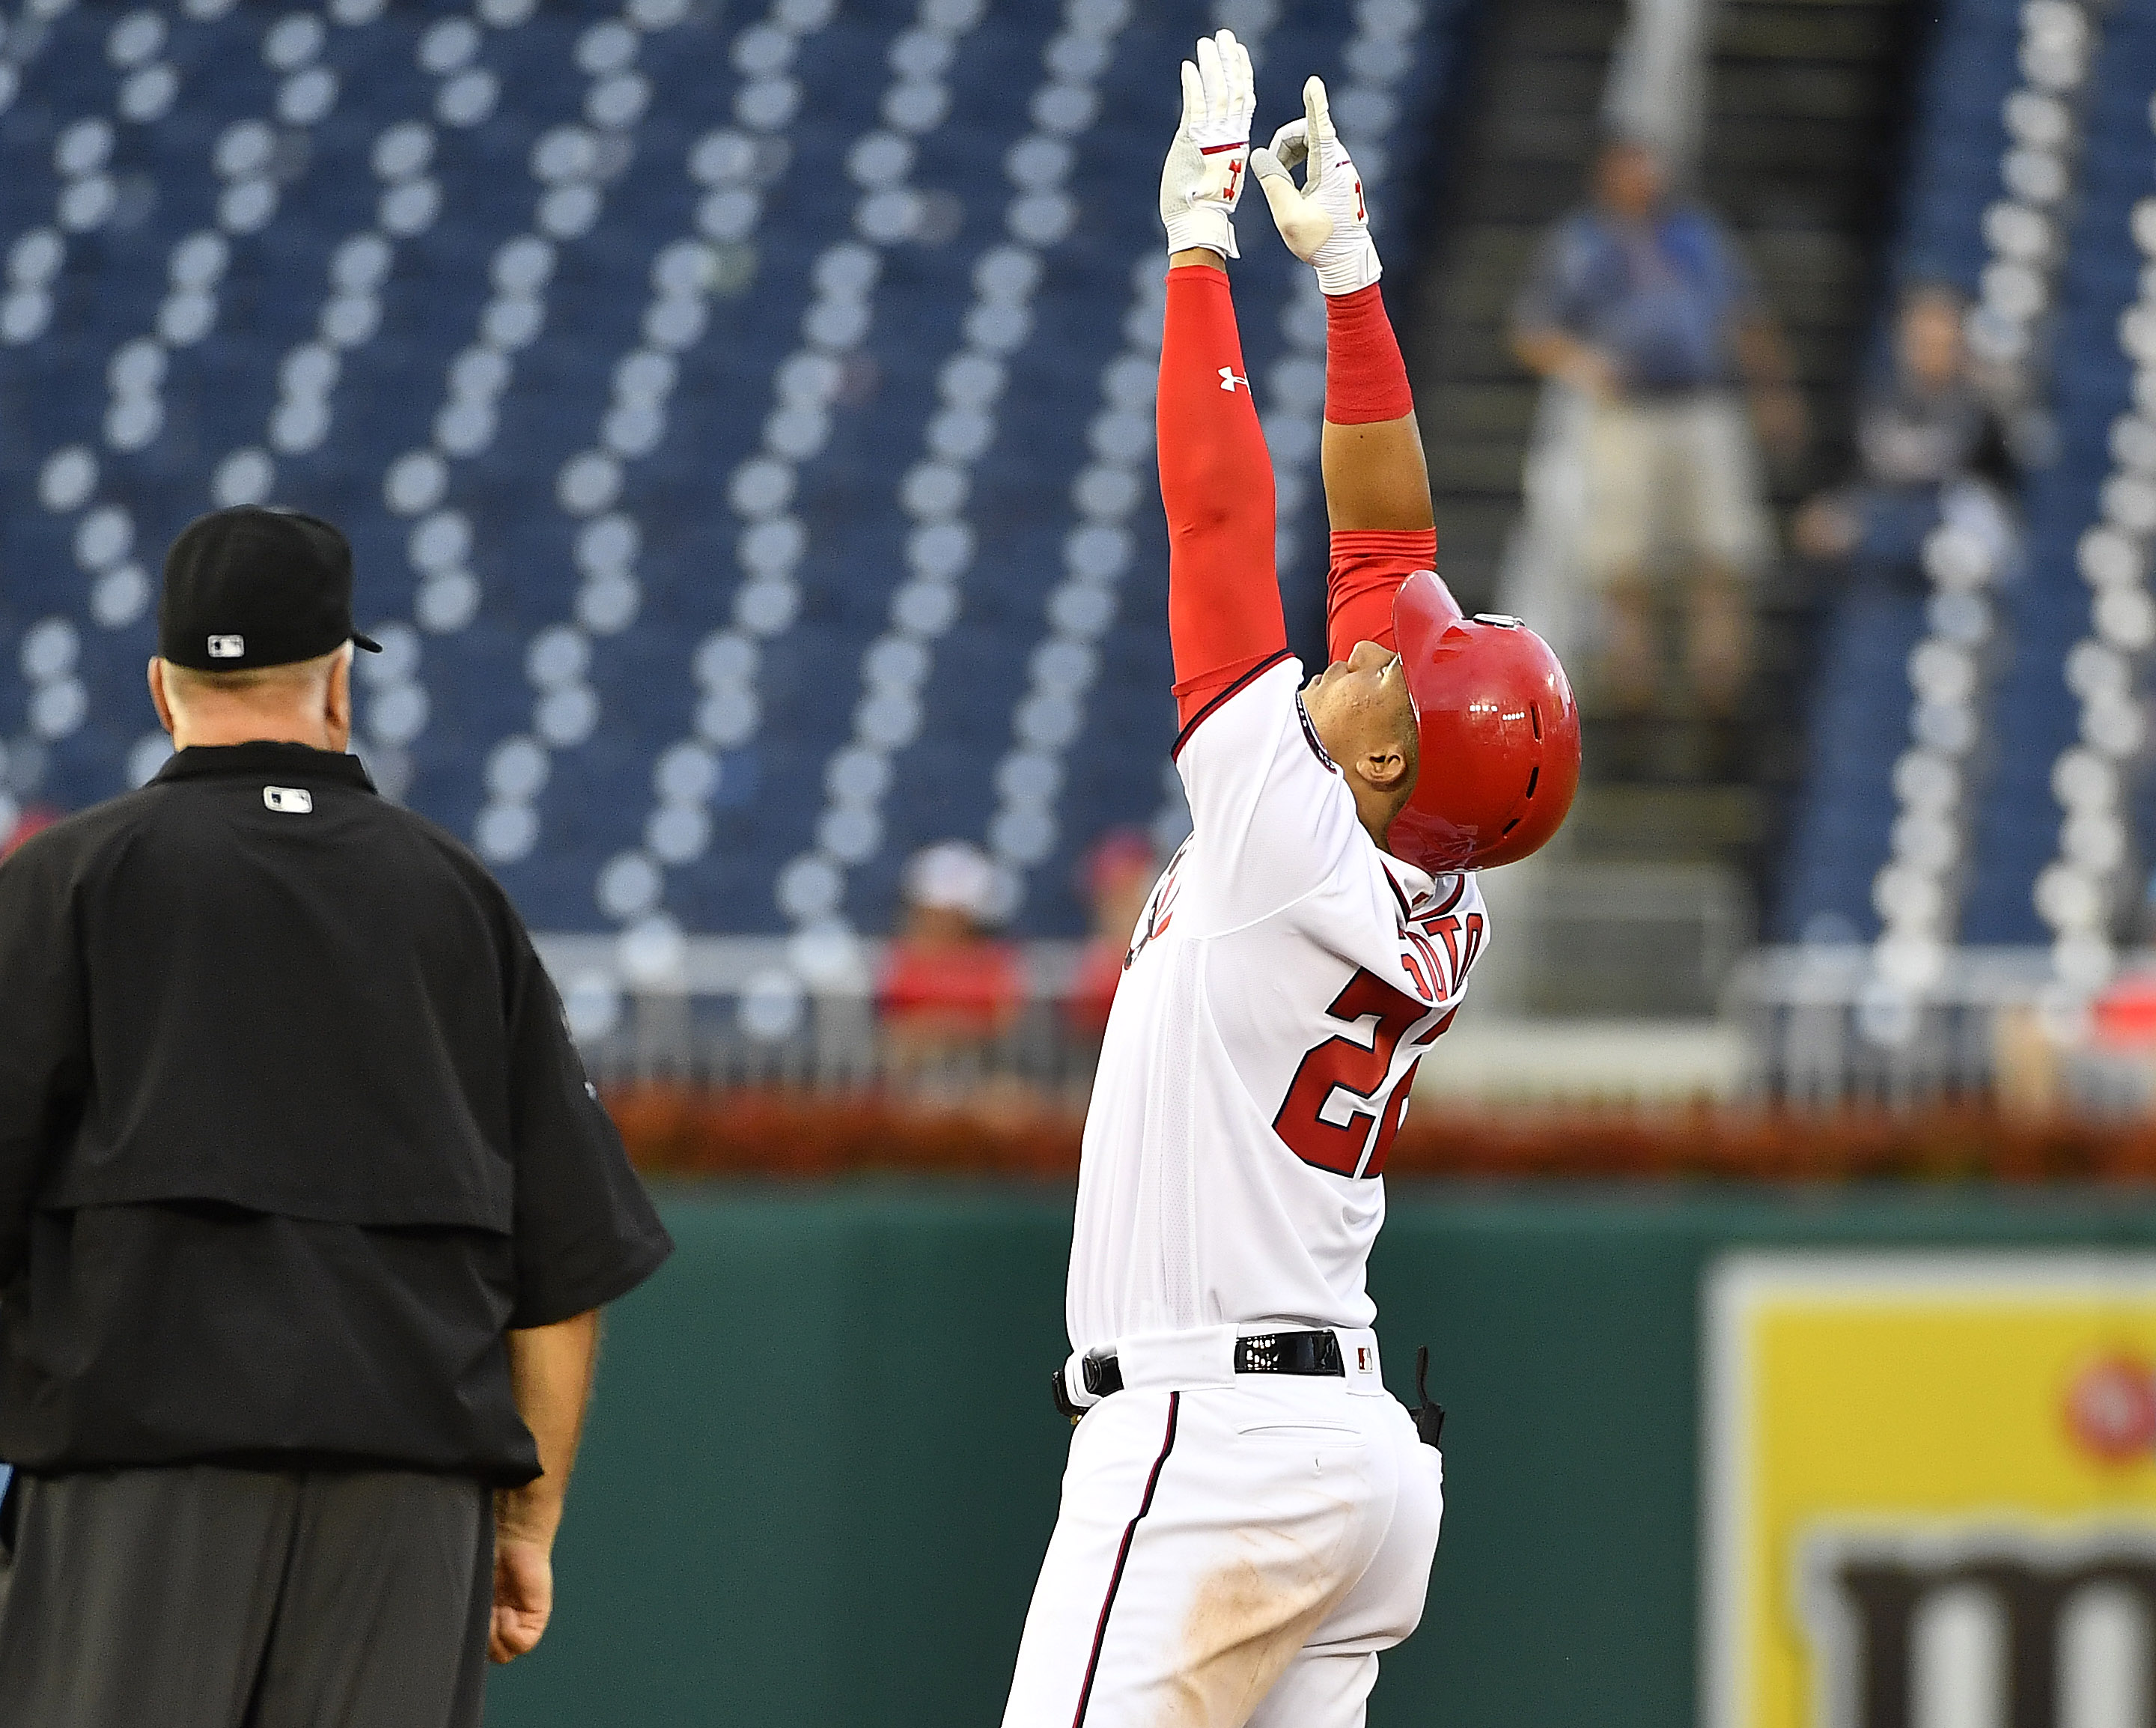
(291, 1129)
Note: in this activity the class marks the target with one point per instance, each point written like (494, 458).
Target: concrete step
(1630, 940)
(1856, 32)
(1666, 824)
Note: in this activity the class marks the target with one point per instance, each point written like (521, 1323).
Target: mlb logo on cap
(283, 577)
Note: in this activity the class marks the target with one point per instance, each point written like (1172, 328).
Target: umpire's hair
(181, 681)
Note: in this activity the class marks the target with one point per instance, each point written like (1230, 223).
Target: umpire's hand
(523, 1596)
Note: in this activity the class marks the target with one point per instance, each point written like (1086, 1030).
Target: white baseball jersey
(1285, 979)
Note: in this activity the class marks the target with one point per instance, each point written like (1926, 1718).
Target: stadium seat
(742, 420)
(2057, 831)
(2024, 163)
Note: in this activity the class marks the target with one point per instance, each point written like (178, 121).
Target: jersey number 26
(1340, 1065)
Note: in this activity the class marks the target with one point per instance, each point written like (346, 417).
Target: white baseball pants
(1229, 1555)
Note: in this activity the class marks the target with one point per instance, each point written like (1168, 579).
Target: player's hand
(1325, 221)
(523, 1597)
(1202, 177)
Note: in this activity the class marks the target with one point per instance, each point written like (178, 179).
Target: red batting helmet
(1499, 732)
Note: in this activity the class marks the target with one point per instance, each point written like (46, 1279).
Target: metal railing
(1825, 1026)
(724, 1011)
(1817, 1027)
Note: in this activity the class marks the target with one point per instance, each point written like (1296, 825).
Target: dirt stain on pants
(1246, 1623)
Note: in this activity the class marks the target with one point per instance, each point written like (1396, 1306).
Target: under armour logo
(1235, 175)
(1228, 380)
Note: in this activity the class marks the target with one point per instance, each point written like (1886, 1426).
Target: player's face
(1360, 703)
(1362, 677)
(1629, 178)
(1931, 340)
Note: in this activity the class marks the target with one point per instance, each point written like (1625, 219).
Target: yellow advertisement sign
(1930, 1486)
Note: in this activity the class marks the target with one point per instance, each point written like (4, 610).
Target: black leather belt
(1309, 1352)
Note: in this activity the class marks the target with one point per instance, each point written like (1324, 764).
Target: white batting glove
(1203, 177)
(1326, 223)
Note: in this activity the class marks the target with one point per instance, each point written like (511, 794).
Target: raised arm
(1376, 487)
(1216, 476)
(1216, 481)
(1375, 478)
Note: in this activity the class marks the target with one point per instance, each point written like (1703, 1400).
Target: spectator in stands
(1640, 301)
(34, 818)
(949, 988)
(1928, 428)
(1117, 875)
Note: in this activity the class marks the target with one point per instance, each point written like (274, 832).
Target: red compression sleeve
(1365, 379)
(1368, 566)
(1216, 481)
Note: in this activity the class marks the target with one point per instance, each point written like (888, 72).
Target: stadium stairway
(1803, 149)
(1517, 156)
(1800, 152)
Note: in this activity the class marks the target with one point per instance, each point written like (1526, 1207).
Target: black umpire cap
(248, 588)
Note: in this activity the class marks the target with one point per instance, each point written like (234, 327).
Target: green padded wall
(822, 1465)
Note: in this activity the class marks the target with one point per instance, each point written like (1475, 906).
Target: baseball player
(1248, 1517)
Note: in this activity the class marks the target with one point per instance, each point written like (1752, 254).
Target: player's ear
(1385, 765)
(1392, 765)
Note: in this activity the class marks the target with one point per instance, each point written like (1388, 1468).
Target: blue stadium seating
(1841, 840)
(657, 359)
(1953, 171)
(2018, 830)
(2006, 87)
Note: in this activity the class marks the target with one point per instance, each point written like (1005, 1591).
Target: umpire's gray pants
(195, 1596)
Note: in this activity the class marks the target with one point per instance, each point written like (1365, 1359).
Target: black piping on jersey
(1459, 888)
(1258, 670)
(1310, 736)
(1123, 1554)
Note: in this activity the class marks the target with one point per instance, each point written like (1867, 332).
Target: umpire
(306, 1211)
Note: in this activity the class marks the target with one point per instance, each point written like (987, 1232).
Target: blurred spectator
(947, 987)
(2062, 1057)
(1928, 428)
(32, 818)
(1118, 875)
(2123, 1014)
(1640, 301)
